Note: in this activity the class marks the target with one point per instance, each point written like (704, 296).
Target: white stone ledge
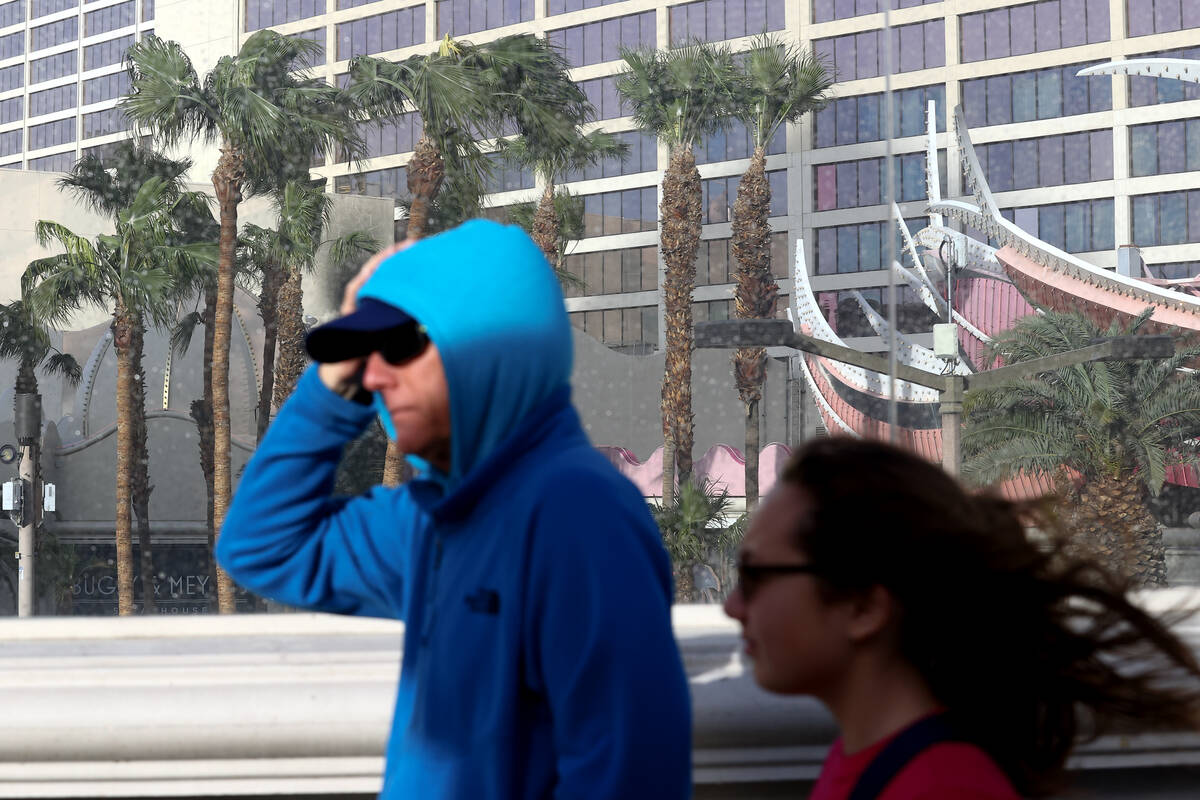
(288, 704)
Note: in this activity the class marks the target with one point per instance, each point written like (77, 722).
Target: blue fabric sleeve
(602, 649)
(285, 537)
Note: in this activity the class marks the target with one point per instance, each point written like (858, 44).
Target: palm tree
(268, 115)
(303, 216)
(464, 92)
(133, 272)
(776, 84)
(695, 532)
(27, 340)
(549, 160)
(107, 185)
(679, 96)
(568, 227)
(1105, 430)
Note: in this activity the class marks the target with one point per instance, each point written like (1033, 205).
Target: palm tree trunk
(545, 225)
(268, 309)
(1110, 522)
(124, 539)
(754, 298)
(681, 215)
(203, 416)
(227, 180)
(426, 170)
(668, 471)
(26, 377)
(139, 476)
(291, 361)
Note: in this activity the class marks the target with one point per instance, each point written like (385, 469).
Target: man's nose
(375, 373)
(735, 605)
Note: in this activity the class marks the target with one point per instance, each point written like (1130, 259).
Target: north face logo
(484, 601)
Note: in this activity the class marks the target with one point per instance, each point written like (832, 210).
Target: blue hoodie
(539, 659)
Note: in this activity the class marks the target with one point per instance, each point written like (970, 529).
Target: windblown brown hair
(1030, 648)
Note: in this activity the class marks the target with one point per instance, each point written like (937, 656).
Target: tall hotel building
(61, 73)
(1087, 164)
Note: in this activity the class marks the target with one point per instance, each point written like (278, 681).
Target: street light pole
(952, 389)
(27, 421)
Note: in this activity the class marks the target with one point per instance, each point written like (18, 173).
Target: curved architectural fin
(1181, 69)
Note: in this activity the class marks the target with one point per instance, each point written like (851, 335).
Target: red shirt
(944, 771)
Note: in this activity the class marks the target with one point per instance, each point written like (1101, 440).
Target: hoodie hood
(492, 306)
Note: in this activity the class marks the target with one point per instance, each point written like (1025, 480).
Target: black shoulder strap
(907, 745)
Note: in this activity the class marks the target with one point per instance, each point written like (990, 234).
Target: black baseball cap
(373, 326)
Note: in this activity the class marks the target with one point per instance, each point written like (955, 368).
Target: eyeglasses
(751, 577)
(403, 344)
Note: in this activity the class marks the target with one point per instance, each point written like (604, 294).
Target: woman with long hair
(960, 658)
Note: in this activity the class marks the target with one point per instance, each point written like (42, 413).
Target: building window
(102, 123)
(1047, 161)
(106, 87)
(827, 10)
(41, 8)
(860, 55)
(1174, 270)
(735, 142)
(629, 211)
(1074, 227)
(147, 10)
(55, 66)
(12, 77)
(1033, 28)
(717, 196)
(105, 53)
(353, 3)
(1037, 94)
(389, 137)
(597, 42)
(109, 19)
(12, 13)
(626, 330)
(10, 142)
(265, 13)
(1160, 16)
(43, 36)
(603, 95)
(12, 45)
(853, 120)
(858, 248)
(317, 36)
(381, 33)
(10, 110)
(555, 7)
(1147, 91)
(714, 20)
(632, 269)
(1163, 147)
(1166, 218)
(50, 134)
(391, 182)
(506, 176)
(59, 162)
(48, 101)
(642, 157)
(460, 17)
(851, 184)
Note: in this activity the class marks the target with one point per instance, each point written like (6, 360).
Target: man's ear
(872, 612)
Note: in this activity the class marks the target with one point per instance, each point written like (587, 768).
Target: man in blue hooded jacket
(538, 659)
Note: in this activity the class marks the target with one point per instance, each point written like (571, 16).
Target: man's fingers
(349, 297)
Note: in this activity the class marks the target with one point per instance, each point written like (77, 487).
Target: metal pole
(25, 537)
(951, 405)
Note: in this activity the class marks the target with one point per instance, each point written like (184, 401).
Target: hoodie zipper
(431, 603)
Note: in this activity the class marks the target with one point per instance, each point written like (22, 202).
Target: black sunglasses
(403, 344)
(751, 577)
